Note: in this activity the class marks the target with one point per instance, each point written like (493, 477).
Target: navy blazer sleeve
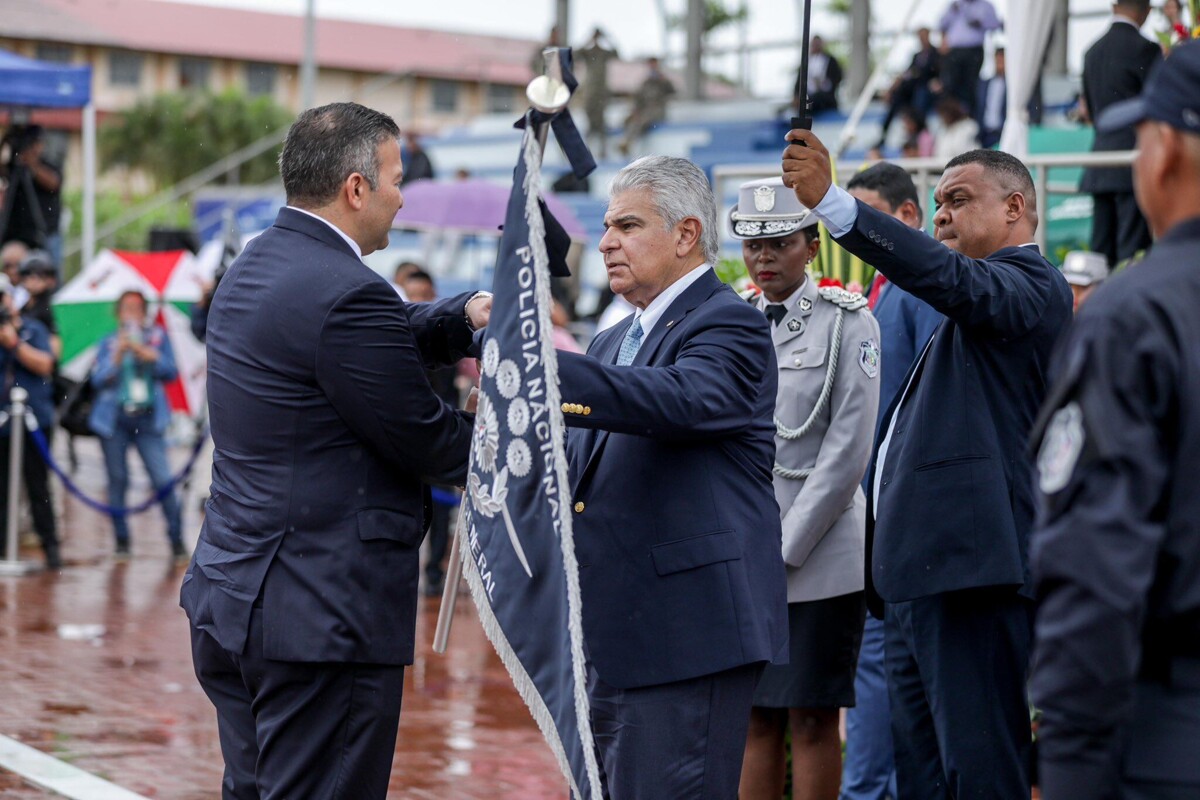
(710, 389)
(441, 330)
(370, 367)
(1004, 295)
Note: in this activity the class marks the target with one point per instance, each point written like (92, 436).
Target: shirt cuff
(838, 210)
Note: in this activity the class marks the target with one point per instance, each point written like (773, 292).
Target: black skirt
(824, 639)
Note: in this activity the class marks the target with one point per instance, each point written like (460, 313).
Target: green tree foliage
(716, 16)
(172, 136)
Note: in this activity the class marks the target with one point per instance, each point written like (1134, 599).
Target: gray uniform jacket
(824, 514)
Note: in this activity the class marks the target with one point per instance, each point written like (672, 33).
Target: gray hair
(326, 145)
(678, 189)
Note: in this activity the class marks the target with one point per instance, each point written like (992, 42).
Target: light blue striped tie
(629, 347)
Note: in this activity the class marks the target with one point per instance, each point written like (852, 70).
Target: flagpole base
(441, 633)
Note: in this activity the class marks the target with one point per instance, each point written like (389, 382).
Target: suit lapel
(694, 295)
(592, 440)
(606, 353)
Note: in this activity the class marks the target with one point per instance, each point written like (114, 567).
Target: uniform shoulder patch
(851, 301)
(1060, 448)
(868, 357)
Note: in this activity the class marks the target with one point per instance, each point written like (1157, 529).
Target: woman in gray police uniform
(827, 348)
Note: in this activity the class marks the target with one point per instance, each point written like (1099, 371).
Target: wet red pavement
(125, 705)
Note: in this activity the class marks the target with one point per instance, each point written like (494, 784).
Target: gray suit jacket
(824, 515)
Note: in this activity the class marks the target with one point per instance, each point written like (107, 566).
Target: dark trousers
(960, 74)
(299, 730)
(439, 538)
(36, 477)
(957, 664)
(1118, 228)
(677, 741)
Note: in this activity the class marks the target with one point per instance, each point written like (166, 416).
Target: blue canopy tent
(25, 82)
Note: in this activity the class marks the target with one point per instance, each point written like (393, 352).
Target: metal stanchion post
(12, 565)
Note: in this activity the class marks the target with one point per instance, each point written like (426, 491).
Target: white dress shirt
(653, 312)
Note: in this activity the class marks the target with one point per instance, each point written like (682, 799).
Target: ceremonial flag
(518, 550)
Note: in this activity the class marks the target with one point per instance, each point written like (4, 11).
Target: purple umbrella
(472, 206)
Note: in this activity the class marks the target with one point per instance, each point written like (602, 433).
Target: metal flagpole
(548, 94)
(803, 120)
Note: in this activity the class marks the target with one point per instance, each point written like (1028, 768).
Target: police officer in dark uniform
(1116, 553)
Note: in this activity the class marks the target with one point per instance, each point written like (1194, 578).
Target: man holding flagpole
(677, 530)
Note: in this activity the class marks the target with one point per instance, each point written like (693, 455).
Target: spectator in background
(649, 105)
(132, 368)
(959, 132)
(824, 78)
(403, 270)
(39, 279)
(11, 256)
(1084, 272)
(912, 90)
(33, 201)
(1115, 69)
(419, 288)
(991, 110)
(414, 159)
(917, 137)
(595, 56)
(965, 26)
(560, 318)
(26, 361)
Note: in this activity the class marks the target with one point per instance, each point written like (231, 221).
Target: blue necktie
(629, 347)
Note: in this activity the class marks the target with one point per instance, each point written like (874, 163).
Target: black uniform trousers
(36, 477)
(960, 74)
(956, 670)
(1118, 228)
(292, 730)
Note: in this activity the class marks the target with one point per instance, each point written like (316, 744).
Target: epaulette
(851, 301)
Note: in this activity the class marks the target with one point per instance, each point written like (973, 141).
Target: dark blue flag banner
(518, 548)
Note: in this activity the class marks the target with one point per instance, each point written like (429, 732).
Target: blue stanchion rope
(39, 439)
(440, 496)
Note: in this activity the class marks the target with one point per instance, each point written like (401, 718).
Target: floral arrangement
(1179, 32)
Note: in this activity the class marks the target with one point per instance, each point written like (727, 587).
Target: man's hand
(806, 168)
(8, 336)
(479, 311)
(472, 400)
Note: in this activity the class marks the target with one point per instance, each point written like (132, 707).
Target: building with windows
(427, 79)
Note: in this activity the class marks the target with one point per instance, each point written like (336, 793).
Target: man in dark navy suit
(676, 526)
(1115, 68)
(302, 591)
(1116, 554)
(951, 492)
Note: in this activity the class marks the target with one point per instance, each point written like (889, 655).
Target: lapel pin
(805, 306)
(794, 325)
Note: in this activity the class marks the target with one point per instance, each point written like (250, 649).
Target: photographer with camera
(132, 369)
(32, 202)
(26, 361)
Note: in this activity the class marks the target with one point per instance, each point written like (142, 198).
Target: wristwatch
(470, 300)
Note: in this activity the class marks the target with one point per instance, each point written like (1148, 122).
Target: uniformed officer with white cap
(1084, 272)
(827, 349)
